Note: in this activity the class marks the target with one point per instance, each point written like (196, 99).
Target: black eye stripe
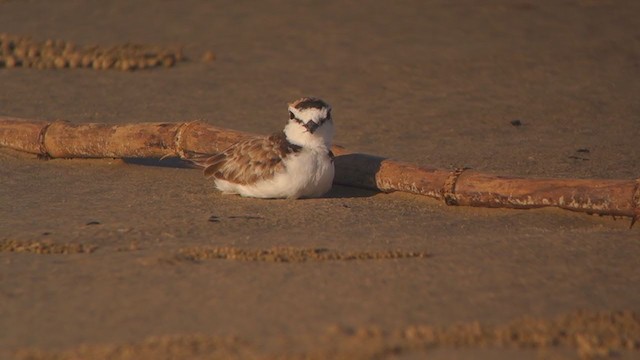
(299, 121)
(325, 119)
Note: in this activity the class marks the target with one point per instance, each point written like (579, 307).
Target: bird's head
(310, 122)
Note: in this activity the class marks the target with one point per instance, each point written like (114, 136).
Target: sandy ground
(107, 266)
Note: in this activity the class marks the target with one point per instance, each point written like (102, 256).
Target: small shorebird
(296, 162)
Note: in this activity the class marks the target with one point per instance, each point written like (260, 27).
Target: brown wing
(250, 160)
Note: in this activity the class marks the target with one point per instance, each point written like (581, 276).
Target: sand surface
(117, 259)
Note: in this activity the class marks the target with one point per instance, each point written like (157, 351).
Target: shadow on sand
(337, 191)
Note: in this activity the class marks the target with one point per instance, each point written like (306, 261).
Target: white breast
(308, 173)
(311, 171)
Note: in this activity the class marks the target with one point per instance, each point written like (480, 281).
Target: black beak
(311, 126)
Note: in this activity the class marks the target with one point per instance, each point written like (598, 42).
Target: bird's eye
(291, 116)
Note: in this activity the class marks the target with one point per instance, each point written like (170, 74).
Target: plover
(296, 162)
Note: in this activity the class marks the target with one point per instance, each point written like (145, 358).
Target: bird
(296, 162)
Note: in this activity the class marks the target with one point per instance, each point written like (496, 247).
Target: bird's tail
(197, 159)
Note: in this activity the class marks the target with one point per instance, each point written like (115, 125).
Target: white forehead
(310, 114)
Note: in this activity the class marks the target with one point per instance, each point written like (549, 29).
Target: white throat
(299, 135)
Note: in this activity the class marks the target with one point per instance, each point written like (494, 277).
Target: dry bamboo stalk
(60, 139)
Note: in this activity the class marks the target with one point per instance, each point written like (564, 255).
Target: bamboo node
(44, 153)
(636, 203)
(196, 139)
(177, 141)
(449, 186)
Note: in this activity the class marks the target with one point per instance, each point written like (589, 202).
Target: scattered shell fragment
(22, 51)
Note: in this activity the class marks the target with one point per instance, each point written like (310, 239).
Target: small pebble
(10, 62)
(60, 63)
(75, 61)
(47, 52)
(168, 61)
(20, 52)
(125, 65)
(208, 56)
(153, 62)
(41, 65)
(70, 47)
(87, 61)
(33, 52)
(108, 62)
(516, 122)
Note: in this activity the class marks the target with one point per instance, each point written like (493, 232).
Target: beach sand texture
(131, 259)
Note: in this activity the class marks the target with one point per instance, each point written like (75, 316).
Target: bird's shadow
(345, 192)
(366, 174)
(171, 162)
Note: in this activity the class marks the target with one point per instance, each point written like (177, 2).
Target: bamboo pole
(61, 139)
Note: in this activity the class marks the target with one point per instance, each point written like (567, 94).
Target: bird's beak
(311, 126)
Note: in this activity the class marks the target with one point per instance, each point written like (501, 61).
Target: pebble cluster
(290, 254)
(21, 51)
(593, 335)
(44, 247)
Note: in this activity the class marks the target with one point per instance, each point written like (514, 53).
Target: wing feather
(250, 160)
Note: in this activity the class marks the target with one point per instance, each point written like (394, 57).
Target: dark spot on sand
(516, 122)
(582, 154)
(578, 158)
(246, 217)
(215, 219)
